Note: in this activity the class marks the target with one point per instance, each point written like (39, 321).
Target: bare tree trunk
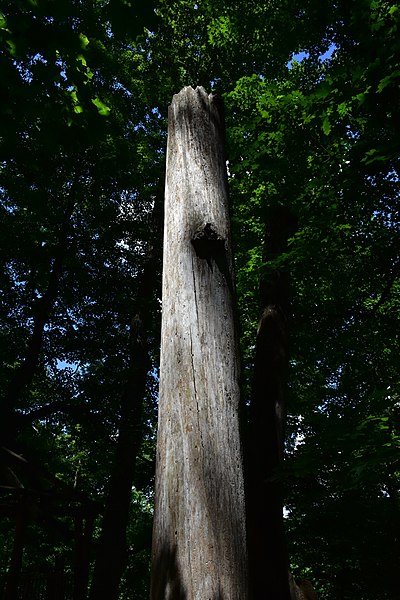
(11, 591)
(111, 553)
(83, 539)
(199, 541)
(268, 558)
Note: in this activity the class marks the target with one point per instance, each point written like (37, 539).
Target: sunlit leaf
(326, 126)
(103, 109)
(84, 41)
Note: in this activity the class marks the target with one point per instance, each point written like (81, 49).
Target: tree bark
(111, 553)
(268, 557)
(11, 591)
(83, 539)
(199, 541)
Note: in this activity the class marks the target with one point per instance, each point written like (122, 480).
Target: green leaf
(387, 80)
(83, 40)
(103, 109)
(3, 22)
(374, 156)
(343, 108)
(12, 47)
(326, 126)
(81, 59)
(360, 98)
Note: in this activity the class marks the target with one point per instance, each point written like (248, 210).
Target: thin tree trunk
(25, 373)
(11, 591)
(83, 540)
(111, 553)
(268, 556)
(199, 541)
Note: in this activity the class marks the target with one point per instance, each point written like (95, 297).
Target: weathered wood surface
(199, 547)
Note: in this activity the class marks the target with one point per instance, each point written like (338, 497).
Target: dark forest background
(312, 95)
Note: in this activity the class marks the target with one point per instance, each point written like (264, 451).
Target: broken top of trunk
(199, 545)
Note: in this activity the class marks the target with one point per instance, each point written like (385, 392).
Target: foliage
(81, 152)
(315, 143)
(311, 92)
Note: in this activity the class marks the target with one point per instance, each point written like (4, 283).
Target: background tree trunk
(24, 374)
(199, 542)
(111, 553)
(268, 557)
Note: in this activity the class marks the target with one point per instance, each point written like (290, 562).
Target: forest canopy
(311, 93)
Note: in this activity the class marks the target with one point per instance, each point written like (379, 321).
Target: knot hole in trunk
(207, 242)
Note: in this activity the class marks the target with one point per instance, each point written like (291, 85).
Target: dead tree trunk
(199, 545)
